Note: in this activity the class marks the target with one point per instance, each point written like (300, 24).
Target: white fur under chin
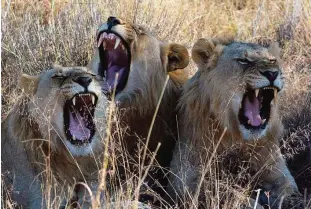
(249, 135)
(81, 150)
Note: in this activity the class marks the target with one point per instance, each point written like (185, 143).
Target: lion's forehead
(76, 69)
(68, 72)
(254, 51)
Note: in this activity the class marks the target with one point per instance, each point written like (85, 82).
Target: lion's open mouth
(115, 56)
(79, 118)
(256, 107)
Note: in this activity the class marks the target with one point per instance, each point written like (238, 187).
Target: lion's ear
(28, 83)
(177, 56)
(202, 51)
(57, 67)
(275, 50)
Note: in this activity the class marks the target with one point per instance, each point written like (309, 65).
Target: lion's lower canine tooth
(117, 43)
(256, 92)
(74, 101)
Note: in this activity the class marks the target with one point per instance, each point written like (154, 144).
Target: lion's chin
(248, 134)
(80, 151)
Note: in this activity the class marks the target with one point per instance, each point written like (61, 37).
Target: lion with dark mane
(233, 98)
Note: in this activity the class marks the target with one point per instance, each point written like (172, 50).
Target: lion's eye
(92, 74)
(59, 76)
(243, 61)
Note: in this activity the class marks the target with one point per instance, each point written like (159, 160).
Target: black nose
(271, 76)
(112, 21)
(83, 81)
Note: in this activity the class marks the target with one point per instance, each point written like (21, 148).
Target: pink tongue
(252, 111)
(77, 127)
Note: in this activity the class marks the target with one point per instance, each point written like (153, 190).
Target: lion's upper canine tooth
(73, 138)
(275, 96)
(117, 42)
(74, 101)
(93, 99)
(101, 39)
(256, 92)
(249, 121)
(263, 121)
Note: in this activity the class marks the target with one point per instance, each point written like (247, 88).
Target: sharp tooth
(249, 121)
(73, 138)
(117, 43)
(275, 96)
(104, 45)
(93, 99)
(263, 121)
(256, 92)
(74, 101)
(101, 39)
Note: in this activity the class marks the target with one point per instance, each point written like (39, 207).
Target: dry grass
(35, 35)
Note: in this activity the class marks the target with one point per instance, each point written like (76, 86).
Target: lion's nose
(112, 21)
(271, 76)
(83, 81)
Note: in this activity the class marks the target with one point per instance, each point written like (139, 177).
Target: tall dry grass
(36, 34)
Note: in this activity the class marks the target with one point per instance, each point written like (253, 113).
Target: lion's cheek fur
(50, 118)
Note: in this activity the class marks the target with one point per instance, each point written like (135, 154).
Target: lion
(232, 100)
(53, 126)
(132, 62)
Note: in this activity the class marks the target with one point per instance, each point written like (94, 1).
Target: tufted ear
(206, 51)
(28, 83)
(177, 56)
(202, 51)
